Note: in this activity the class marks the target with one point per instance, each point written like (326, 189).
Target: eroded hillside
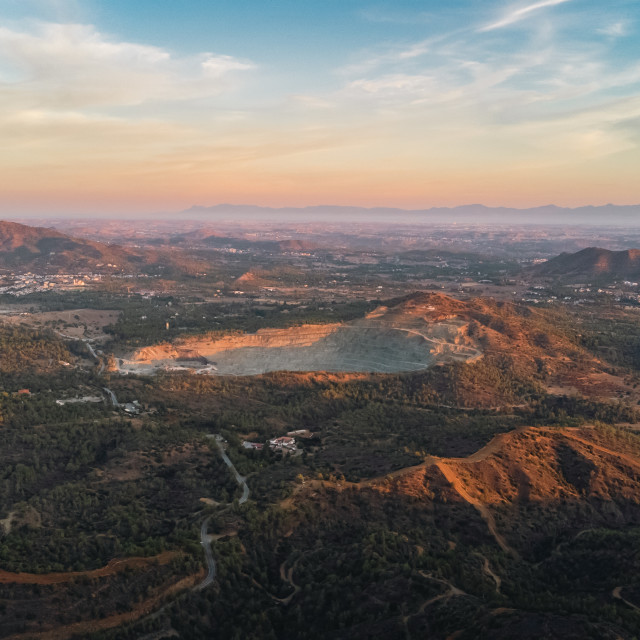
(534, 481)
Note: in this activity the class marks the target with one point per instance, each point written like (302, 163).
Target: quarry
(382, 342)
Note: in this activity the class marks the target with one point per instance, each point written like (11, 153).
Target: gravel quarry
(375, 344)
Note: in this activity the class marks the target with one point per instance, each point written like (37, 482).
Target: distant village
(23, 284)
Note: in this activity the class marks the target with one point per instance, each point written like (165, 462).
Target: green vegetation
(82, 484)
(22, 348)
(146, 322)
(616, 337)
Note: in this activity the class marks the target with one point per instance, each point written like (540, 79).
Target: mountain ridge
(599, 215)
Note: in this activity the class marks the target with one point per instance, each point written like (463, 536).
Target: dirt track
(115, 566)
(91, 626)
(484, 512)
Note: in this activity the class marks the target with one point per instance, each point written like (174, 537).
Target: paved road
(91, 350)
(241, 480)
(85, 340)
(114, 400)
(204, 535)
(208, 554)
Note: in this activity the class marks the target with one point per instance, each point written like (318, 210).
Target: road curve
(617, 593)
(204, 535)
(208, 554)
(241, 480)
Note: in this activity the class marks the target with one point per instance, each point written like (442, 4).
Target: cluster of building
(286, 444)
(625, 293)
(26, 283)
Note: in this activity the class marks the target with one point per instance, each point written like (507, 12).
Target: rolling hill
(518, 536)
(592, 263)
(44, 250)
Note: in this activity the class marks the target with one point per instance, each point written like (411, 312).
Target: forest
(325, 546)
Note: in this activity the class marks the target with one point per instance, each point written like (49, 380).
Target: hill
(493, 351)
(532, 536)
(550, 470)
(44, 250)
(592, 263)
(519, 536)
(47, 250)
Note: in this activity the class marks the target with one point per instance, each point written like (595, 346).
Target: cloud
(218, 66)
(518, 14)
(546, 98)
(615, 29)
(73, 66)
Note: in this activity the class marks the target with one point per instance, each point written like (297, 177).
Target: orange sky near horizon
(517, 104)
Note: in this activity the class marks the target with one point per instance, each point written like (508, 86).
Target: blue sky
(144, 104)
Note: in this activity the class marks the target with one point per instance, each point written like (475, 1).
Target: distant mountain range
(591, 263)
(605, 215)
(211, 238)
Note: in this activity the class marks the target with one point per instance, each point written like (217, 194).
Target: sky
(142, 106)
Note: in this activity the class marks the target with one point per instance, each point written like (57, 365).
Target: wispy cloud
(615, 29)
(74, 66)
(516, 14)
(451, 99)
(218, 66)
(550, 92)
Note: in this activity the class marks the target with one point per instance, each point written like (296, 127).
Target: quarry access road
(204, 535)
(91, 349)
(114, 400)
(485, 514)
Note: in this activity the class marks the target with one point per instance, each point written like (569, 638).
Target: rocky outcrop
(210, 346)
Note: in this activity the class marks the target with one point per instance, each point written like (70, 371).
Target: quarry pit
(371, 345)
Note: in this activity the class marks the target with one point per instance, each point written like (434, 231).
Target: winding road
(208, 555)
(204, 535)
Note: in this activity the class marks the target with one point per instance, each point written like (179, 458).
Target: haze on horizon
(109, 106)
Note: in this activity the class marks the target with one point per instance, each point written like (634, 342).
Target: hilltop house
(284, 443)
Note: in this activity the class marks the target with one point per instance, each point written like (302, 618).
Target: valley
(319, 320)
(405, 452)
